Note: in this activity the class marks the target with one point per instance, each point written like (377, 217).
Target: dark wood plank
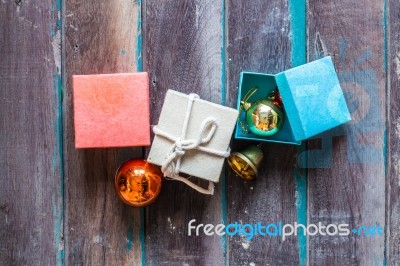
(393, 141)
(31, 204)
(350, 187)
(100, 230)
(259, 41)
(183, 43)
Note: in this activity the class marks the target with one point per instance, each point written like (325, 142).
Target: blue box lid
(312, 97)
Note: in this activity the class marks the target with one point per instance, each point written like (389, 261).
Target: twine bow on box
(172, 164)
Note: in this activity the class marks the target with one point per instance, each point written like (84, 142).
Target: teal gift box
(313, 101)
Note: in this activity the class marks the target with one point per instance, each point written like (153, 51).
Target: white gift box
(197, 161)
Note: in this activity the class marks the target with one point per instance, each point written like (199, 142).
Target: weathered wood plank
(259, 41)
(101, 37)
(182, 43)
(393, 143)
(347, 183)
(31, 206)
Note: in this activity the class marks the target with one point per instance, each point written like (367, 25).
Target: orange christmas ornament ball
(138, 182)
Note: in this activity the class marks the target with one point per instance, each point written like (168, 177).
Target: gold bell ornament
(138, 182)
(246, 163)
(265, 116)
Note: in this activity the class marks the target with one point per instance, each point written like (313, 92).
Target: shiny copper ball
(138, 182)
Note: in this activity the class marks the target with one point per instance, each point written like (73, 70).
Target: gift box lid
(111, 110)
(312, 97)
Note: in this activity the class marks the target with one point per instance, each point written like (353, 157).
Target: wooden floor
(58, 205)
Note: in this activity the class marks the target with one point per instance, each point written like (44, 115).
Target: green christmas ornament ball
(264, 117)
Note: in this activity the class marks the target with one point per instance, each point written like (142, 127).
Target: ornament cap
(246, 105)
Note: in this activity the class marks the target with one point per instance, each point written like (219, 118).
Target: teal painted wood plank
(139, 67)
(298, 22)
(139, 56)
(31, 187)
(58, 199)
(224, 205)
(298, 30)
(347, 182)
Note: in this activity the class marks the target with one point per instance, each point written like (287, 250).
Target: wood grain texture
(258, 41)
(182, 51)
(187, 45)
(350, 186)
(393, 141)
(31, 180)
(100, 38)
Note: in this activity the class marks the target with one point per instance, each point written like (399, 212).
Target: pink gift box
(111, 110)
